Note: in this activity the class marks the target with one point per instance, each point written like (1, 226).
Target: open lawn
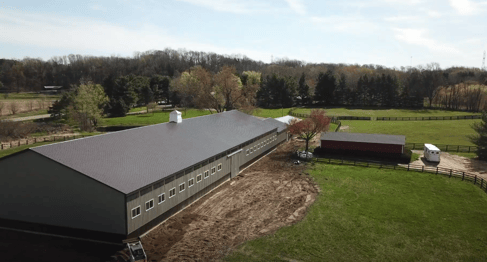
(368, 214)
(261, 112)
(448, 132)
(15, 96)
(149, 119)
(387, 112)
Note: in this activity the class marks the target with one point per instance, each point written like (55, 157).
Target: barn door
(235, 164)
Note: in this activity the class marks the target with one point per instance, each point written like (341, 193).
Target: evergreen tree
(480, 140)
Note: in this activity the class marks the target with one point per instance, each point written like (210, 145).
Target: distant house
(124, 183)
(52, 89)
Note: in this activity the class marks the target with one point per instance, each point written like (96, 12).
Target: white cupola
(175, 117)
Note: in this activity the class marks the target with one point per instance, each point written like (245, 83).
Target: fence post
(342, 161)
(475, 181)
(482, 183)
(408, 166)
(469, 149)
(394, 167)
(446, 148)
(463, 176)
(422, 168)
(450, 172)
(458, 148)
(380, 165)
(437, 170)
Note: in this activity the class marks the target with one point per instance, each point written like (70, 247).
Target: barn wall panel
(39, 190)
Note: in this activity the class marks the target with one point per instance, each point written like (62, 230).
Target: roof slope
(364, 138)
(131, 159)
(273, 122)
(285, 119)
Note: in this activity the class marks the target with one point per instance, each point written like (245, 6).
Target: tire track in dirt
(268, 195)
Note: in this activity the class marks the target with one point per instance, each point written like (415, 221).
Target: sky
(391, 33)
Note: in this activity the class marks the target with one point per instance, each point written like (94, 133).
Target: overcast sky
(385, 32)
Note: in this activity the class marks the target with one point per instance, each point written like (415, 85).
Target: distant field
(149, 119)
(450, 132)
(386, 112)
(368, 214)
(31, 113)
(15, 96)
(261, 112)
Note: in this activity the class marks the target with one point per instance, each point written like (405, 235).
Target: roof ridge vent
(175, 117)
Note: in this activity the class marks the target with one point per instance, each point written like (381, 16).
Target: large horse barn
(363, 144)
(121, 184)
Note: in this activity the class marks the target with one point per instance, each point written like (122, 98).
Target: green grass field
(149, 119)
(450, 132)
(387, 112)
(369, 214)
(15, 96)
(261, 112)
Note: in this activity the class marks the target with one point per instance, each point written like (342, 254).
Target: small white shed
(432, 153)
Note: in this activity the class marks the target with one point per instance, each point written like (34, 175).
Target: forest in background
(283, 83)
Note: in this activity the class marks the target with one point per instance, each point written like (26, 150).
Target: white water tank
(175, 117)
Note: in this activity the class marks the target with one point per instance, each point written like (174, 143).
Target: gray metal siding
(38, 190)
(159, 209)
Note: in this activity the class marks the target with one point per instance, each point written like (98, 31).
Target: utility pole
(483, 62)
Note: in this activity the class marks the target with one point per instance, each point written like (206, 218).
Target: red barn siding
(364, 147)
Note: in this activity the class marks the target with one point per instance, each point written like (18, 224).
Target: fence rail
(465, 176)
(445, 148)
(422, 118)
(335, 117)
(34, 140)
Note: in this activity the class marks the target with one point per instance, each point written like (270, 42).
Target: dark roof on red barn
(364, 138)
(131, 159)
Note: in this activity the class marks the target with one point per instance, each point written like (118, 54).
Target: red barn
(363, 143)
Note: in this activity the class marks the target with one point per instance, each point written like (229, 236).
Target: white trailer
(432, 153)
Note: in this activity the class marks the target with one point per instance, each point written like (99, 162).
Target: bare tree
(30, 104)
(13, 107)
(308, 128)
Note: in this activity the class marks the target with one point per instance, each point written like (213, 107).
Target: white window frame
(159, 198)
(213, 170)
(219, 167)
(201, 178)
(172, 190)
(147, 209)
(184, 187)
(247, 152)
(207, 174)
(251, 150)
(132, 212)
(191, 179)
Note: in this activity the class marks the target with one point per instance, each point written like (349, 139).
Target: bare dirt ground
(24, 106)
(270, 194)
(460, 163)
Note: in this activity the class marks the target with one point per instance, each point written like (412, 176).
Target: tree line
(149, 75)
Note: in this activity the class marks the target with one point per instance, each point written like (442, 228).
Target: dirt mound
(270, 194)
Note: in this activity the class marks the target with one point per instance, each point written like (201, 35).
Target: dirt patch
(268, 195)
(455, 162)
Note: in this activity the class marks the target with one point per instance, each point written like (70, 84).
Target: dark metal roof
(364, 138)
(276, 123)
(131, 159)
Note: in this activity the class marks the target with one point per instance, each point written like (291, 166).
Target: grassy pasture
(21, 96)
(149, 119)
(368, 214)
(450, 132)
(386, 112)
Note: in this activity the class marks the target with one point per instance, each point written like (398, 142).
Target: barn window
(162, 198)
(219, 167)
(172, 192)
(149, 205)
(251, 150)
(191, 182)
(135, 212)
(207, 174)
(198, 178)
(213, 170)
(181, 187)
(247, 152)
